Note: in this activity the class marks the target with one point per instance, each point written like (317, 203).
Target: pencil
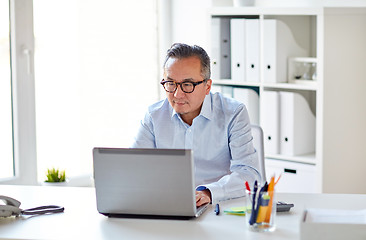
(270, 192)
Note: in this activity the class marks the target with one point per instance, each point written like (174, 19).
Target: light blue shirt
(220, 137)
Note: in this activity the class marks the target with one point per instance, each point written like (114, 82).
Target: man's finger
(203, 200)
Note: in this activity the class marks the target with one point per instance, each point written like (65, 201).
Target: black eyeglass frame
(181, 87)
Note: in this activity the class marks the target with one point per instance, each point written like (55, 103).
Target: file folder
(250, 99)
(278, 45)
(237, 31)
(252, 50)
(270, 113)
(297, 125)
(220, 46)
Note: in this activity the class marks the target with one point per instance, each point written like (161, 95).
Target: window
(6, 126)
(96, 71)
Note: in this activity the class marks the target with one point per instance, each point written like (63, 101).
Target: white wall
(190, 21)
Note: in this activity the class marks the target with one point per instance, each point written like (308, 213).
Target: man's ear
(208, 86)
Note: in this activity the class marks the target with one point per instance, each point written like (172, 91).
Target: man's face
(188, 105)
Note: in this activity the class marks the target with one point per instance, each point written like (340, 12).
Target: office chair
(258, 144)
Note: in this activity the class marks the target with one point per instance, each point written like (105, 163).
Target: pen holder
(260, 210)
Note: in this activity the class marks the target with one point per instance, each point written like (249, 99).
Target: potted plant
(55, 177)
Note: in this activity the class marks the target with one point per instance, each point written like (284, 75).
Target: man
(215, 127)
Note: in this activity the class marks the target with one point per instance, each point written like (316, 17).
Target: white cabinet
(317, 58)
(295, 177)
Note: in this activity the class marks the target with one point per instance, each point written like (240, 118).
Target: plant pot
(55, 184)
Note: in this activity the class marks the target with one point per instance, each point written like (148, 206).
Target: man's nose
(179, 92)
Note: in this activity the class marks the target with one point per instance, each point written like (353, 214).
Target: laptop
(145, 183)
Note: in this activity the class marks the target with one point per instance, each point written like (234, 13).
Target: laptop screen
(144, 181)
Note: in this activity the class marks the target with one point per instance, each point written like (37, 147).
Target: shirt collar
(206, 110)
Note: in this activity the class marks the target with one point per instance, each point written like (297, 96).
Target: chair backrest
(258, 144)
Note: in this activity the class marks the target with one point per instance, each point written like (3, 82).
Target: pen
(247, 186)
(253, 216)
(217, 209)
(259, 203)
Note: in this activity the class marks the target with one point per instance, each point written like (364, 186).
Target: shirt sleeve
(244, 162)
(145, 137)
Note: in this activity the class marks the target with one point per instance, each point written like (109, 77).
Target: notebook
(146, 183)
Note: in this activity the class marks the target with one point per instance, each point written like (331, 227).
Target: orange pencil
(270, 192)
(278, 179)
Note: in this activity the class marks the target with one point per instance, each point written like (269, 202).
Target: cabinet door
(295, 177)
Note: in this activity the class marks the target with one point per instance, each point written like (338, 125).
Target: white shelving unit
(335, 39)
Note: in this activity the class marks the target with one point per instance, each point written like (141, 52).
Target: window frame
(23, 93)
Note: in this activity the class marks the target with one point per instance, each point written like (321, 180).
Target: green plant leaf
(55, 175)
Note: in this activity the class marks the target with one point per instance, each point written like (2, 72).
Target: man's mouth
(180, 102)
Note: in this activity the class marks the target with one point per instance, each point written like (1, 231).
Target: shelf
(305, 59)
(235, 83)
(307, 158)
(296, 86)
(334, 39)
(237, 11)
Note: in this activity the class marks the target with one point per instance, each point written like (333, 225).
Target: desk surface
(82, 221)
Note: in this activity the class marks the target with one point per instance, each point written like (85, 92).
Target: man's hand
(203, 197)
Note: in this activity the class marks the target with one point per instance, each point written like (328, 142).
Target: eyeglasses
(186, 86)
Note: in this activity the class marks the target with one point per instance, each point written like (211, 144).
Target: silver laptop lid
(144, 181)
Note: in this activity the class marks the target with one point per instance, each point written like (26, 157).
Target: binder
(270, 114)
(251, 100)
(278, 45)
(220, 57)
(252, 50)
(297, 125)
(237, 31)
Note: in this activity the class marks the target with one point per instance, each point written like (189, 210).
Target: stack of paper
(336, 216)
(335, 224)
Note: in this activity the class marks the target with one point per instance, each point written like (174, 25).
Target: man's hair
(181, 50)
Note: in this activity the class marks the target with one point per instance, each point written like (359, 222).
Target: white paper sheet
(336, 216)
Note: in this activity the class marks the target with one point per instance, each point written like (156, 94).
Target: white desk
(82, 221)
